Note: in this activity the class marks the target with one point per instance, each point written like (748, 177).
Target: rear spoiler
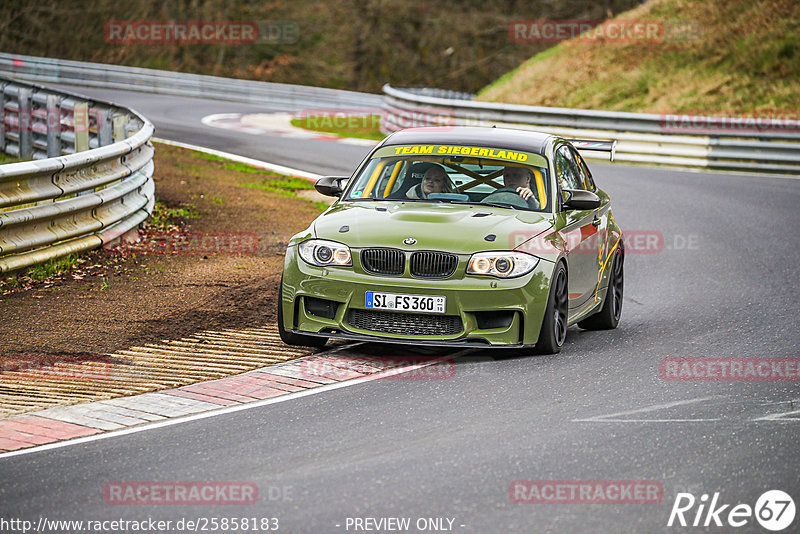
(595, 146)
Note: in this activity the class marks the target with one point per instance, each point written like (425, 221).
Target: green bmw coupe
(458, 237)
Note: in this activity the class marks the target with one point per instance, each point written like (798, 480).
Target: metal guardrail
(39, 69)
(90, 179)
(642, 137)
(440, 93)
(646, 138)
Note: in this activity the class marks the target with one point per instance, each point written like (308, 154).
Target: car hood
(458, 228)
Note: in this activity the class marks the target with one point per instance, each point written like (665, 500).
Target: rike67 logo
(774, 510)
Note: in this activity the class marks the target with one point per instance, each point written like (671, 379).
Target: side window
(586, 176)
(569, 175)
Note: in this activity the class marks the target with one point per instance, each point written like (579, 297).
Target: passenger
(435, 180)
(519, 179)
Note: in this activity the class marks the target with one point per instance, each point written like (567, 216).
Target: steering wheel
(504, 190)
(506, 195)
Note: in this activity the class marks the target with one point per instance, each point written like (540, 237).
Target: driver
(516, 190)
(519, 179)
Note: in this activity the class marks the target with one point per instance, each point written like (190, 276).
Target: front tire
(554, 324)
(608, 316)
(290, 338)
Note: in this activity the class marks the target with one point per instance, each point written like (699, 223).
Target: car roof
(523, 140)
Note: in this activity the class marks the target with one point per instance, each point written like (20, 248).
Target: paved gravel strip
(170, 364)
(78, 420)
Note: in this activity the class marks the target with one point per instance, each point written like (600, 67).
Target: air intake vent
(406, 324)
(321, 307)
(385, 261)
(433, 264)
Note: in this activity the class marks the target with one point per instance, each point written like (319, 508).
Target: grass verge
(5, 158)
(194, 191)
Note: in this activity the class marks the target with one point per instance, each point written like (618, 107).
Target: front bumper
(469, 343)
(519, 303)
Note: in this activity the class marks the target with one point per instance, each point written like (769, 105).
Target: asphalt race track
(724, 284)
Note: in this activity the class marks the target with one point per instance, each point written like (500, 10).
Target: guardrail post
(2, 117)
(104, 129)
(25, 135)
(81, 120)
(119, 124)
(80, 117)
(53, 126)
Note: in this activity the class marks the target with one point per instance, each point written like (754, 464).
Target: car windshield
(458, 174)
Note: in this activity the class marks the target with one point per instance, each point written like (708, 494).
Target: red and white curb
(275, 124)
(79, 423)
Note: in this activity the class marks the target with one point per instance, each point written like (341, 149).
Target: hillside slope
(717, 57)
(345, 44)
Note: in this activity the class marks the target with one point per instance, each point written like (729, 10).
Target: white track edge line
(224, 410)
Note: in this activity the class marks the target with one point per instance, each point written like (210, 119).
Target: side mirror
(580, 199)
(331, 186)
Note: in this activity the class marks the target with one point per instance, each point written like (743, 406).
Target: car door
(581, 230)
(602, 214)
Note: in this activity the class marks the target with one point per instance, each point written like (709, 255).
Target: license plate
(394, 301)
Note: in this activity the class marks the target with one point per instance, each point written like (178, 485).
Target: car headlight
(501, 264)
(325, 253)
